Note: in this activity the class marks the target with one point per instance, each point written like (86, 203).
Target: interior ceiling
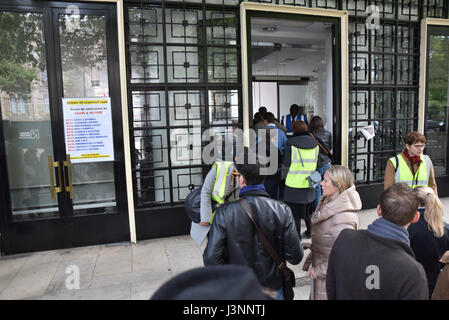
(302, 35)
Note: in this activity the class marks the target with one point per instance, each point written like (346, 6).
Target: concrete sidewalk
(120, 271)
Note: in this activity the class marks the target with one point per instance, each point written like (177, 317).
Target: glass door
(84, 67)
(25, 112)
(60, 109)
(434, 97)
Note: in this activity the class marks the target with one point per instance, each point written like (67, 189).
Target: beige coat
(441, 291)
(332, 216)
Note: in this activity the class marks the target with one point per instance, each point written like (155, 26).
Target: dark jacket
(364, 266)
(325, 138)
(295, 195)
(441, 291)
(428, 249)
(233, 238)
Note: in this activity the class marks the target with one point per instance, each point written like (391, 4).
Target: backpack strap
(397, 163)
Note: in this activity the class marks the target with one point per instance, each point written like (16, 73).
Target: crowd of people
(400, 255)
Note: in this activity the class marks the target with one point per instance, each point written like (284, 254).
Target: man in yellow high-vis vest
(411, 165)
(301, 157)
(219, 186)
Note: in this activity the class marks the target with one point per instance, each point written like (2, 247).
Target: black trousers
(302, 211)
(271, 184)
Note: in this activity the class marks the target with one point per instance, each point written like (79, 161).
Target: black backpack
(193, 204)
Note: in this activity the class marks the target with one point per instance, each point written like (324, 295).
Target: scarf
(386, 229)
(415, 159)
(258, 187)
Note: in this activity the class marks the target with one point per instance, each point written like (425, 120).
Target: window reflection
(25, 114)
(437, 99)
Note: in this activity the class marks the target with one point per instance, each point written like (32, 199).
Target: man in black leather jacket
(233, 238)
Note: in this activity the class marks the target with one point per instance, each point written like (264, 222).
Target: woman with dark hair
(324, 138)
(301, 157)
(411, 165)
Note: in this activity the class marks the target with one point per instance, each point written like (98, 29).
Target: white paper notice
(88, 129)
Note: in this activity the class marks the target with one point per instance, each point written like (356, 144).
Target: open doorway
(297, 56)
(292, 64)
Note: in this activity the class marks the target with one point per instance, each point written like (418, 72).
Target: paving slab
(145, 290)
(72, 274)
(183, 254)
(31, 281)
(114, 259)
(128, 278)
(150, 255)
(117, 292)
(9, 269)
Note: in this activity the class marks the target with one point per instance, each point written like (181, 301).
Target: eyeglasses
(419, 146)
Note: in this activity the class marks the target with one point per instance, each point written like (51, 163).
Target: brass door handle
(68, 165)
(51, 165)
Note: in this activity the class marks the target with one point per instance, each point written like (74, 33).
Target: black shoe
(307, 235)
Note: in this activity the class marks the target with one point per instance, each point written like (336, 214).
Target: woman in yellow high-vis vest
(411, 165)
(301, 157)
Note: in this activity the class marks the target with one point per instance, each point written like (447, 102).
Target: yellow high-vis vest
(303, 164)
(404, 174)
(222, 181)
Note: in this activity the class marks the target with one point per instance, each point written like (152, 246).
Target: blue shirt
(282, 138)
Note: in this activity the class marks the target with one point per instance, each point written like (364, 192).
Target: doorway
(61, 143)
(304, 52)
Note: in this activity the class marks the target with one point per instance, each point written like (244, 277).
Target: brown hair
(299, 126)
(316, 124)
(412, 137)
(399, 204)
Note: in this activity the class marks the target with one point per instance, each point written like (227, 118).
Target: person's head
(399, 204)
(336, 179)
(299, 126)
(415, 143)
(257, 117)
(434, 209)
(316, 124)
(248, 168)
(294, 110)
(268, 118)
(262, 111)
(220, 282)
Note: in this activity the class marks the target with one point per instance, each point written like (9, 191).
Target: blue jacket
(287, 120)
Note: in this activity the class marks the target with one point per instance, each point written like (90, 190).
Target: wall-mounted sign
(88, 129)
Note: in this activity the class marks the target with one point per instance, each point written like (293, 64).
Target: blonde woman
(336, 211)
(429, 237)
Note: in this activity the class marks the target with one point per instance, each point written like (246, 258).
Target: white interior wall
(328, 115)
(265, 94)
(290, 94)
